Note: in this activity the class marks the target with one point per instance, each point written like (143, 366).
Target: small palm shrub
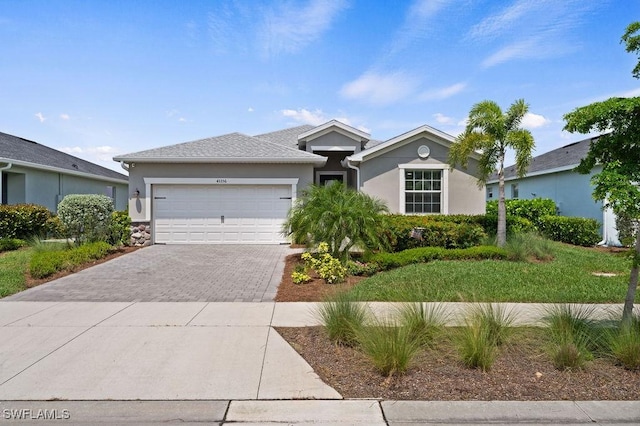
(527, 246)
(423, 322)
(342, 317)
(574, 335)
(339, 216)
(624, 343)
(390, 346)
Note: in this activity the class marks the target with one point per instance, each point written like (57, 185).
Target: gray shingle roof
(287, 137)
(567, 156)
(19, 149)
(233, 147)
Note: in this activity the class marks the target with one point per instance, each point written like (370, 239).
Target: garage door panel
(192, 214)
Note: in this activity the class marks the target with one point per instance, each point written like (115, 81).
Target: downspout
(347, 163)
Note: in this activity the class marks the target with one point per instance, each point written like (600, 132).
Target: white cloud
(533, 121)
(527, 29)
(65, 117)
(72, 150)
(250, 109)
(290, 28)
(443, 93)
(304, 116)
(443, 119)
(40, 117)
(380, 89)
(318, 117)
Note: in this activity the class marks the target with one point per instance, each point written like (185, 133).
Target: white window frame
(327, 172)
(444, 194)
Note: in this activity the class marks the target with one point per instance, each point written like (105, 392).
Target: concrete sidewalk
(221, 362)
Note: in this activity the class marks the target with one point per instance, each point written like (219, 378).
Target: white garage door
(210, 214)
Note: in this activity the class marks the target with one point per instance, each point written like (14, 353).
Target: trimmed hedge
(572, 230)
(45, 262)
(386, 261)
(533, 210)
(407, 232)
(24, 221)
(9, 244)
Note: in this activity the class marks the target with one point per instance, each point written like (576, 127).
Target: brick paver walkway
(174, 273)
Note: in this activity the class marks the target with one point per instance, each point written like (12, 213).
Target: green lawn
(13, 266)
(566, 279)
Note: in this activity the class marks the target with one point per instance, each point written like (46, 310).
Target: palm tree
(491, 132)
(338, 216)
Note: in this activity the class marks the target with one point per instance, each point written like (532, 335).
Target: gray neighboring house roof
(560, 159)
(23, 152)
(230, 148)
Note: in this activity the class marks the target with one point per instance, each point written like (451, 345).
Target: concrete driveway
(174, 273)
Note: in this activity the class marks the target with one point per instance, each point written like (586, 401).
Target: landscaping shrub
(574, 335)
(341, 217)
(386, 261)
(48, 258)
(529, 246)
(624, 343)
(342, 317)
(390, 347)
(515, 224)
(86, 217)
(8, 244)
(533, 210)
(326, 266)
(486, 328)
(406, 232)
(423, 321)
(626, 229)
(120, 229)
(572, 230)
(23, 221)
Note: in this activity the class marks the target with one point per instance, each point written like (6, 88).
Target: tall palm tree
(491, 132)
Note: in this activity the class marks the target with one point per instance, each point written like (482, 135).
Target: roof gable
(333, 126)
(28, 153)
(287, 137)
(382, 148)
(232, 147)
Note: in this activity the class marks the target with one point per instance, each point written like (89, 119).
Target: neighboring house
(552, 175)
(36, 174)
(238, 189)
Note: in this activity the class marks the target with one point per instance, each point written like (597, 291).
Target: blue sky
(102, 78)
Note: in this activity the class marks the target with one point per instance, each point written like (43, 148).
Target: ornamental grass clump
(486, 328)
(391, 347)
(574, 335)
(529, 246)
(424, 322)
(342, 318)
(624, 343)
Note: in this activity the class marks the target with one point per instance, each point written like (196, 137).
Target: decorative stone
(141, 227)
(136, 235)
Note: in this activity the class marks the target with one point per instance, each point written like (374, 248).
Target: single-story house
(552, 175)
(36, 174)
(237, 188)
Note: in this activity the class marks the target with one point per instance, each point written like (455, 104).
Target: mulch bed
(522, 372)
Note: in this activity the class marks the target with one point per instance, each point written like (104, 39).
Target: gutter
(61, 170)
(347, 162)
